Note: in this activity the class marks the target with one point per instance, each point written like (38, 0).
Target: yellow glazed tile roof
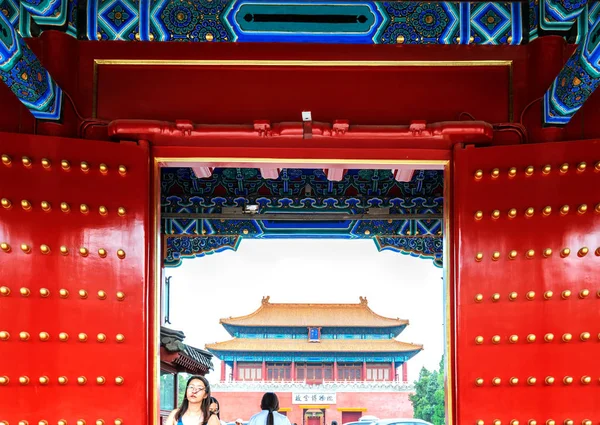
(324, 315)
(325, 345)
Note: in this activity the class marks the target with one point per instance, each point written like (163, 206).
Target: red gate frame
(322, 157)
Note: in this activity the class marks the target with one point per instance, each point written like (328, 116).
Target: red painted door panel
(527, 229)
(74, 281)
(350, 416)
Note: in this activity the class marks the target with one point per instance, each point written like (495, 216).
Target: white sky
(229, 283)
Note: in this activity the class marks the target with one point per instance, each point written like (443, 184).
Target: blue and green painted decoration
(25, 76)
(580, 76)
(306, 191)
(359, 22)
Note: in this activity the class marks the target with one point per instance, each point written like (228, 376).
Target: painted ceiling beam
(403, 175)
(576, 81)
(25, 76)
(44, 7)
(202, 172)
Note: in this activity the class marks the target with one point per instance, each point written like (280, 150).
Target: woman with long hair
(215, 409)
(195, 407)
(269, 414)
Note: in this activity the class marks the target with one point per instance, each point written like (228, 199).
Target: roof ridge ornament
(363, 301)
(265, 300)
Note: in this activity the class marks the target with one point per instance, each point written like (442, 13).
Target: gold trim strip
(352, 409)
(287, 161)
(314, 406)
(450, 323)
(302, 63)
(156, 256)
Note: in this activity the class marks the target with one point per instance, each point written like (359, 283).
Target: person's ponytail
(270, 402)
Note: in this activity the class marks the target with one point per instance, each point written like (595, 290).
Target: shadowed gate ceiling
(356, 22)
(206, 215)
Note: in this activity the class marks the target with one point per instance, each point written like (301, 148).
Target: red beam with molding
(418, 134)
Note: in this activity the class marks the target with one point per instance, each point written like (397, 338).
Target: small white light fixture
(306, 116)
(251, 209)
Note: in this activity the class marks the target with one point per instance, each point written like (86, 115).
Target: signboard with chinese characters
(313, 398)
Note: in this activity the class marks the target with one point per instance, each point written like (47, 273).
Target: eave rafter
(22, 72)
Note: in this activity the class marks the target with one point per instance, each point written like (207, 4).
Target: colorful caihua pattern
(45, 8)
(306, 191)
(191, 20)
(180, 247)
(23, 73)
(354, 22)
(576, 82)
(236, 20)
(560, 14)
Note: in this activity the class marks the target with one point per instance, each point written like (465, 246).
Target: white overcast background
(206, 289)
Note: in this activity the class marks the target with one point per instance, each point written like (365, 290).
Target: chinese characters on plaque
(313, 398)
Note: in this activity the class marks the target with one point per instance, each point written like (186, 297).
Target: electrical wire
(467, 114)
(530, 104)
(85, 122)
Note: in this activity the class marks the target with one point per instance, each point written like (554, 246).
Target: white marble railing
(342, 386)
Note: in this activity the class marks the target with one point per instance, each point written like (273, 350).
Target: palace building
(325, 361)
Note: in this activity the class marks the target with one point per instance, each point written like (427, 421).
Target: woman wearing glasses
(194, 409)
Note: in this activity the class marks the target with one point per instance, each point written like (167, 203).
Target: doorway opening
(236, 212)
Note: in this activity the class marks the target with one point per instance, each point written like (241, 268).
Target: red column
(404, 372)
(222, 371)
(393, 377)
(335, 371)
(293, 371)
(235, 370)
(264, 371)
(364, 371)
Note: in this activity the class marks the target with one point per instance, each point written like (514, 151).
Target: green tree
(429, 397)
(181, 386)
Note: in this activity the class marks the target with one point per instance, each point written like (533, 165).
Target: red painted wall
(381, 404)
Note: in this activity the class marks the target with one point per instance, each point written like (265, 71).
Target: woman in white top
(269, 414)
(194, 409)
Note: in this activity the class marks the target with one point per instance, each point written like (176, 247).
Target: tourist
(194, 409)
(214, 409)
(269, 414)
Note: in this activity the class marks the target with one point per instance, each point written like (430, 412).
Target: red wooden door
(527, 267)
(74, 281)
(313, 420)
(350, 416)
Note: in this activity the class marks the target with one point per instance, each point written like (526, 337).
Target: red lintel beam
(436, 135)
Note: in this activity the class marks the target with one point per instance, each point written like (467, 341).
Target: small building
(325, 361)
(175, 358)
